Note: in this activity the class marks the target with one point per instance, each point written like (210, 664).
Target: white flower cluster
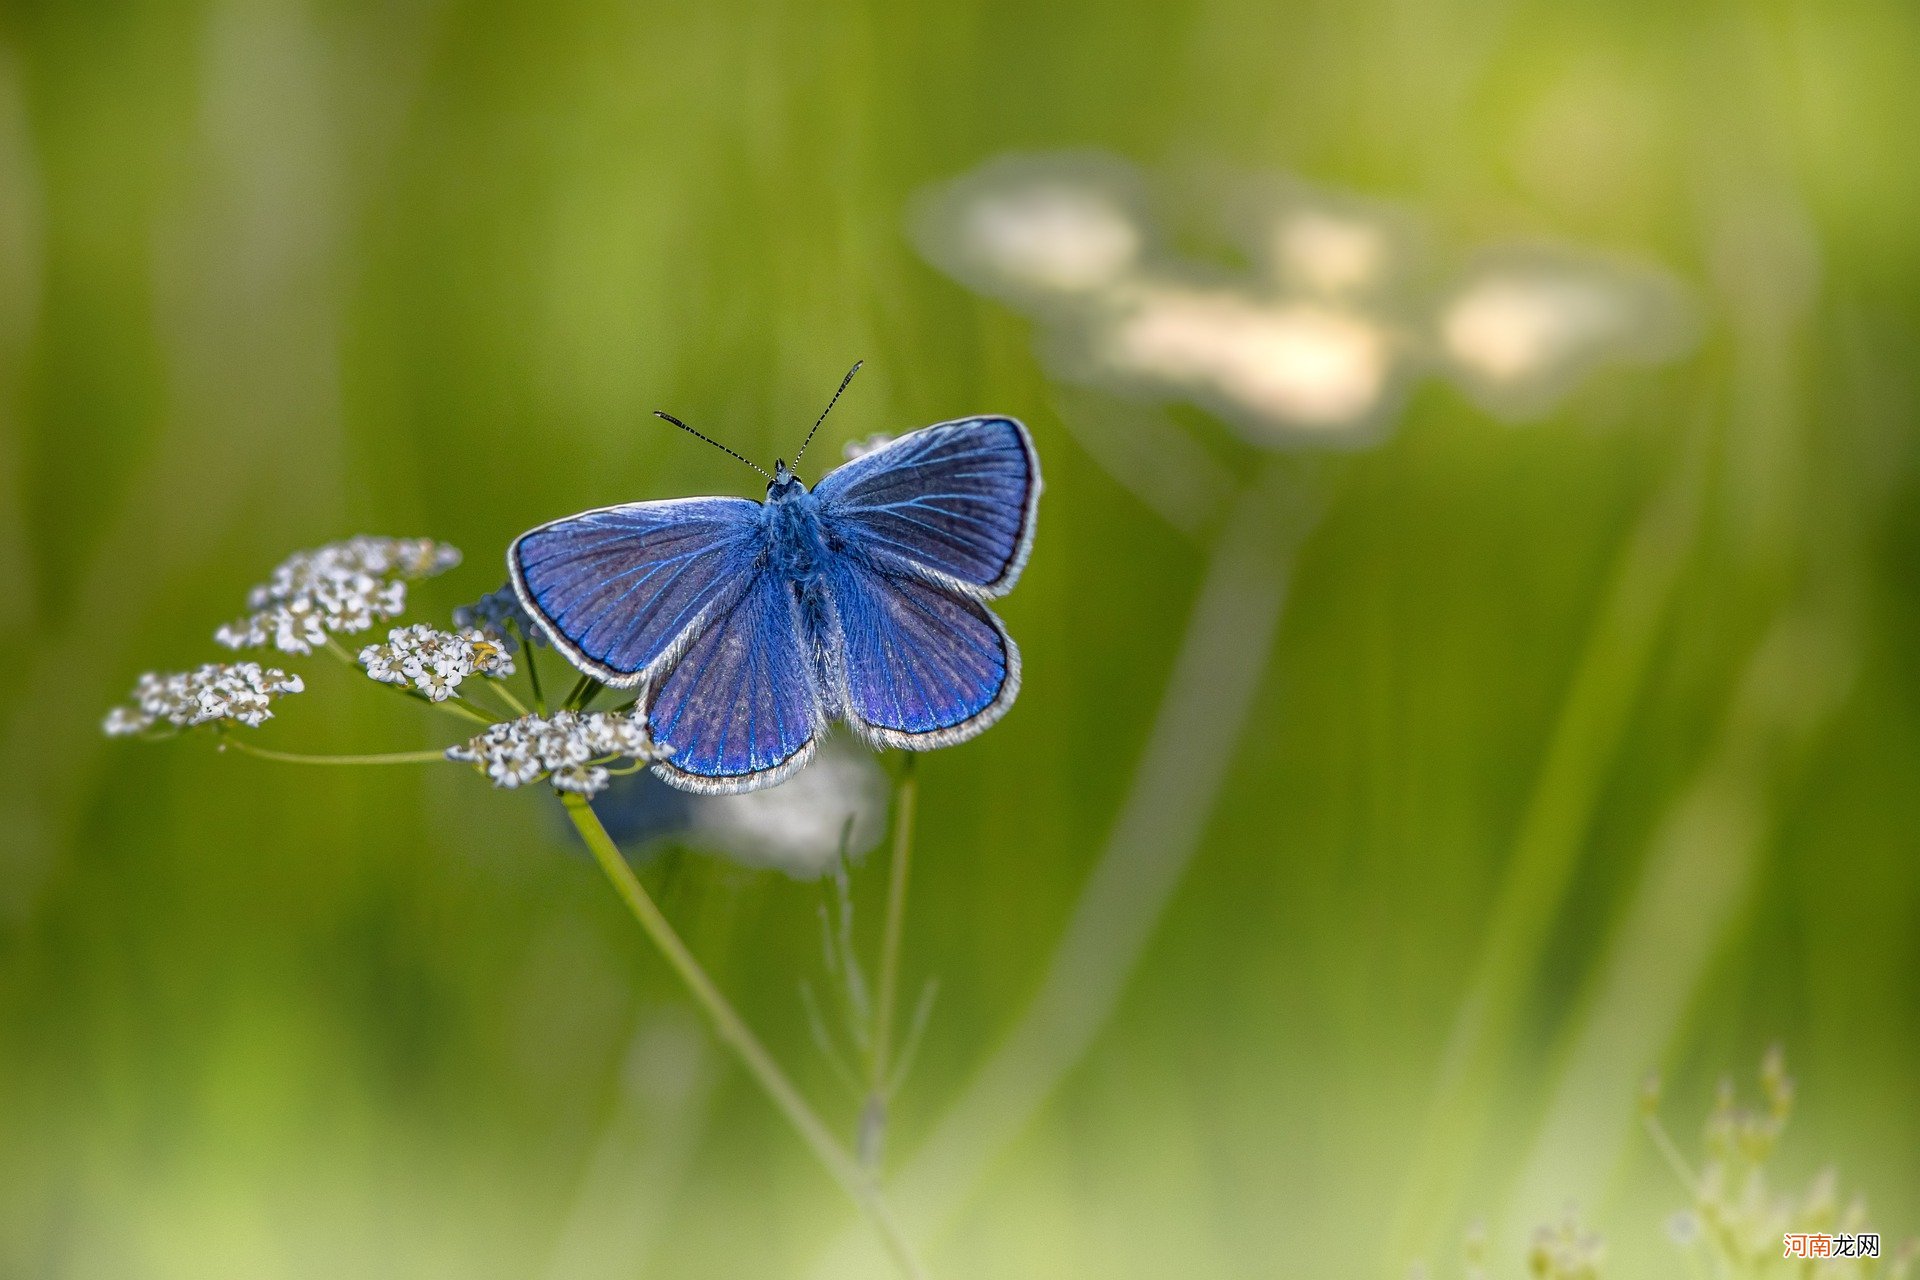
(501, 614)
(343, 587)
(434, 661)
(236, 691)
(572, 747)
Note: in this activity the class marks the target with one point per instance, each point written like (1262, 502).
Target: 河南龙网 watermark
(1821, 1245)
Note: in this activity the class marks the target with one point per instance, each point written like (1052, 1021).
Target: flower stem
(1220, 664)
(1670, 1152)
(879, 1068)
(300, 757)
(584, 690)
(533, 669)
(452, 706)
(499, 689)
(740, 1038)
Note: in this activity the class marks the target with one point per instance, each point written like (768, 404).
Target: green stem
(739, 1037)
(1670, 1152)
(533, 668)
(500, 690)
(873, 1122)
(583, 692)
(299, 757)
(452, 706)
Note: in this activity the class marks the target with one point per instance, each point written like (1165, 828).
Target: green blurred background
(1612, 716)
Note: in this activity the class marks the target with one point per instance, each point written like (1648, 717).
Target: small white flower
(435, 661)
(240, 692)
(501, 615)
(342, 588)
(122, 722)
(587, 779)
(573, 747)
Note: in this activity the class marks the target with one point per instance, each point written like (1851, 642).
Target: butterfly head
(785, 485)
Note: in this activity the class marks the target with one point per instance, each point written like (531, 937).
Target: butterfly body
(751, 626)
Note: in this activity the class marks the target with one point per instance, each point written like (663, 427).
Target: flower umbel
(341, 588)
(239, 692)
(572, 748)
(1739, 1218)
(435, 661)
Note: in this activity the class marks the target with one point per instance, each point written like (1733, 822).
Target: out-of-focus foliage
(1585, 746)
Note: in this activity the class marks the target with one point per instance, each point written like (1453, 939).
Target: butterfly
(751, 626)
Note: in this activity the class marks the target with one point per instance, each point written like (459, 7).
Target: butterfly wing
(920, 664)
(623, 590)
(740, 709)
(954, 502)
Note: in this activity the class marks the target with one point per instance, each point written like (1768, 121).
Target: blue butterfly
(752, 626)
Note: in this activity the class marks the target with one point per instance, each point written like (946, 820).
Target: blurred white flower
(1320, 243)
(1330, 254)
(1524, 326)
(1054, 237)
(341, 588)
(238, 692)
(571, 747)
(797, 826)
(1272, 366)
(501, 615)
(794, 827)
(1046, 229)
(434, 661)
(1319, 342)
(1286, 355)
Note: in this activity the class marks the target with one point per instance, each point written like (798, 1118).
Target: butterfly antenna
(829, 409)
(710, 440)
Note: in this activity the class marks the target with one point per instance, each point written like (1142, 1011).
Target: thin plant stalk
(506, 695)
(584, 690)
(533, 669)
(874, 1118)
(1222, 660)
(734, 1032)
(300, 757)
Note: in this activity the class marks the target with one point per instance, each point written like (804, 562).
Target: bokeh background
(1581, 749)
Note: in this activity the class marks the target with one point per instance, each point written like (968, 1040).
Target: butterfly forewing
(955, 500)
(621, 588)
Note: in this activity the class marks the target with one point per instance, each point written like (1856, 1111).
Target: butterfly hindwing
(622, 588)
(739, 709)
(921, 665)
(954, 501)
